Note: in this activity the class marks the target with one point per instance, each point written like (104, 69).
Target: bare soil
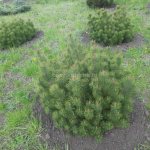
(116, 139)
(137, 42)
(37, 37)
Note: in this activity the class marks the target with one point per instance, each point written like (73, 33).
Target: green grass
(57, 19)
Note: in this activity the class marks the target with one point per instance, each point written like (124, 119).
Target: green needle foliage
(111, 28)
(15, 33)
(86, 91)
(100, 3)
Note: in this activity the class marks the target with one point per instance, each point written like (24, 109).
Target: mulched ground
(116, 139)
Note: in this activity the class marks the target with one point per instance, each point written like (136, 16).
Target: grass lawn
(19, 69)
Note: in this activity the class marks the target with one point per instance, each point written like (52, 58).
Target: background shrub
(19, 6)
(86, 92)
(110, 28)
(15, 33)
(20, 2)
(99, 3)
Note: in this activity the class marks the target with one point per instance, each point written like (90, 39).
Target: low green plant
(17, 117)
(110, 28)
(148, 105)
(100, 3)
(86, 91)
(15, 33)
(2, 107)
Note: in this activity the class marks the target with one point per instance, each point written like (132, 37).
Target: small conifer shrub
(110, 28)
(15, 33)
(86, 92)
(19, 6)
(100, 3)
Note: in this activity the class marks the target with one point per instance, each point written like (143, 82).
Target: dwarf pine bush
(111, 28)
(19, 6)
(86, 92)
(100, 3)
(15, 33)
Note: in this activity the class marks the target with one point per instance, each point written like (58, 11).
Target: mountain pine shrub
(111, 28)
(100, 3)
(86, 92)
(19, 6)
(15, 33)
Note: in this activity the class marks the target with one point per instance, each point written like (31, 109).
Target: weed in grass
(17, 117)
(30, 69)
(7, 60)
(21, 96)
(2, 107)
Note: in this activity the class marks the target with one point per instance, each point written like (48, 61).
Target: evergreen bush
(19, 6)
(100, 3)
(86, 92)
(111, 28)
(15, 33)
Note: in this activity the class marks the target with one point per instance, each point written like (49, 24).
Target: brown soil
(137, 42)
(116, 139)
(37, 37)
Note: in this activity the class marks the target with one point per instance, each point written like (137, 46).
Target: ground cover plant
(19, 72)
(111, 28)
(15, 33)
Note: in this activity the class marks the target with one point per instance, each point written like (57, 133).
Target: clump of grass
(2, 107)
(17, 117)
